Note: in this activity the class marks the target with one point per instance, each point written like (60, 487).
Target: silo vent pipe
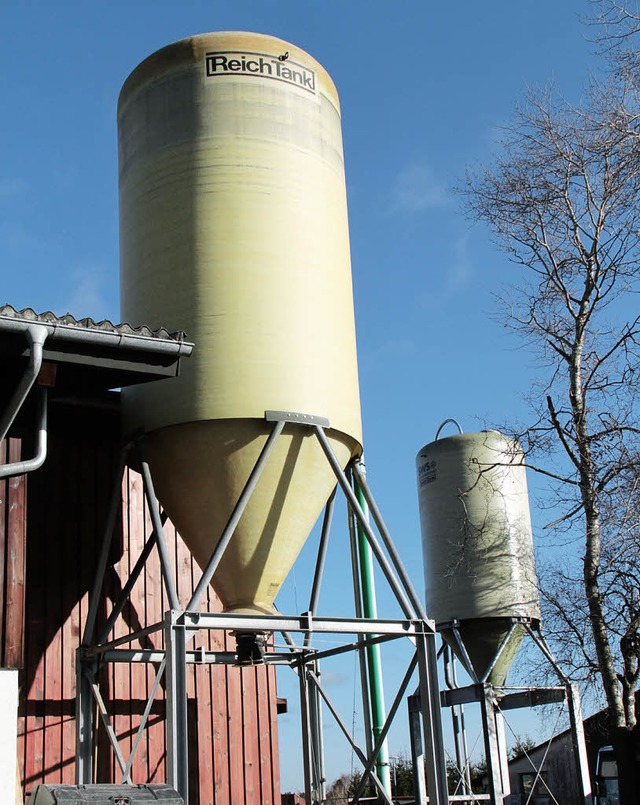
(36, 335)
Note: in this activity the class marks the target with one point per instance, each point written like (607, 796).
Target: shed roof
(91, 356)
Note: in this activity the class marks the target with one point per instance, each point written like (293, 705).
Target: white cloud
(456, 277)
(416, 189)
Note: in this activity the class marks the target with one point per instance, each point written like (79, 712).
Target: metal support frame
(459, 727)
(493, 747)
(417, 748)
(176, 694)
(181, 625)
(305, 715)
(494, 700)
(317, 736)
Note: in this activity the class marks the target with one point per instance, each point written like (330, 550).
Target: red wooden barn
(51, 528)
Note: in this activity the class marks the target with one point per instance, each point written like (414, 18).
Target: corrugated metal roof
(90, 354)
(68, 320)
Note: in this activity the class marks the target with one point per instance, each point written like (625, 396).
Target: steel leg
(417, 749)
(432, 725)
(307, 750)
(492, 749)
(317, 743)
(176, 696)
(85, 672)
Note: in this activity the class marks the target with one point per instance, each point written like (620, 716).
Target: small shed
(555, 759)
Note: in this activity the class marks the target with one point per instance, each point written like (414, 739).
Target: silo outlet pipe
(36, 336)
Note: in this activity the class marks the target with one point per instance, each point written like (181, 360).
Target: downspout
(36, 335)
(370, 610)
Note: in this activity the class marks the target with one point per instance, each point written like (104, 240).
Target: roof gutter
(84, 335)
(37, 333)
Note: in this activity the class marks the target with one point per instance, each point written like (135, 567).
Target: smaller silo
(477, 544)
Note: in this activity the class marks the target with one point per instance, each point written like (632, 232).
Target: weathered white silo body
(233, 227)
(477, 543)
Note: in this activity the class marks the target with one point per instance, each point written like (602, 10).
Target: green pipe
(374, 662)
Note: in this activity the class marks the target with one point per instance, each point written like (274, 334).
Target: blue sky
(424, 88)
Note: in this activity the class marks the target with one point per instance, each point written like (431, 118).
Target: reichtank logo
(279, 68)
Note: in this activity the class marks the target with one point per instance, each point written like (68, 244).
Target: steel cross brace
(306, 676)
(394, 709)
(88, 693)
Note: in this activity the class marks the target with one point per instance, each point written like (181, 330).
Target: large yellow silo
(233, 227)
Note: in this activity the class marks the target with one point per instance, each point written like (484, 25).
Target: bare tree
(616, 26)
(563, 199)
(339, 790)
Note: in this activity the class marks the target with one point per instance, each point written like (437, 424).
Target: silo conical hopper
(233, 228)
(477, 544)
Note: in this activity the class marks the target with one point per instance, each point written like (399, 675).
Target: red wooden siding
(233, 729)
(12, 560)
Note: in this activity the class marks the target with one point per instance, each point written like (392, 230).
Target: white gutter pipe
(36, 335)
